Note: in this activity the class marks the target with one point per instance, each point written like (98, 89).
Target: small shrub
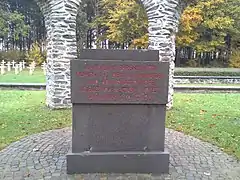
(35, 54)
(10, 55)
(192, 63)
(234, 61)
(217, 64)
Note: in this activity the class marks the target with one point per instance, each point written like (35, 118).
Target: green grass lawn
(39, 77)
(24, 77)
(24, 112)
(212, 117)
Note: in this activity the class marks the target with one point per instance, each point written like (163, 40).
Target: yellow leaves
(209, 4)
(179, 128)
(191, 18)
(206, 46)
(141, 42)
(235, 59)
(219, 23)
(35, 54)
(187, 38)
(124, 22)
(203, 25)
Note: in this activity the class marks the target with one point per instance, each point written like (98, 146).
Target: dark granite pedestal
(118, 162)
(119, 109)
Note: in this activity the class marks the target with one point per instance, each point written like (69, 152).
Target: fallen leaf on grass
(212, 125)
(179, 128)
(188, 100)
(3, 126)
(207, 173)
(201, 118)
(215, 115)
(103, 178)
(35, 150)
(28, 174)
(172, 121)
(202, 111)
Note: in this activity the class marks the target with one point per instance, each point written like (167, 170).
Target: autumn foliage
(123, 21)
(204, 24)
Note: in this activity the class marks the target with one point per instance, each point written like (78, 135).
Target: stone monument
(60, 21)
(119, 102)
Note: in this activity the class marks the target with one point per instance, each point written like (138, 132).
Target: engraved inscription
(119, 82)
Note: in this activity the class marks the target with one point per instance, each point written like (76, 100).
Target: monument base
(118, 162)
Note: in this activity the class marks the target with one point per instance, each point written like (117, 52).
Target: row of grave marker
(18, 67)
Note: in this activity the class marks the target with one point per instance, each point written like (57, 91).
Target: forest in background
(208, 36)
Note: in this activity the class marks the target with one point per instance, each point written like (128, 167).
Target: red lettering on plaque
(86, 74)
(123, 83)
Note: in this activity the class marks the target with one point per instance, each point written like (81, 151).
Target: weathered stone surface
(60, 20)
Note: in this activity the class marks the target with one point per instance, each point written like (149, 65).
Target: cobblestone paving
(43, 156)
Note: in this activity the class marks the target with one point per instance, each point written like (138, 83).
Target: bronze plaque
(119, 82)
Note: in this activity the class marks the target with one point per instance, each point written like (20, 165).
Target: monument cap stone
(119, 54)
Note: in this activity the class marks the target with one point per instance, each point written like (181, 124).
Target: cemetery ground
(24, 77)
(214, 118)
(39, 77)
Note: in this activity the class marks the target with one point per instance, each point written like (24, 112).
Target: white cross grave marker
(2, 67)
(44, 66)
(16, 68)
(33, 64)
(31, 69)
(9, 66)
(20, 66)
(13, 63)
(23, 64)
(3, 62)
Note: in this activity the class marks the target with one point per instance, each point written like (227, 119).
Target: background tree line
(209, 30)
(21, 30)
